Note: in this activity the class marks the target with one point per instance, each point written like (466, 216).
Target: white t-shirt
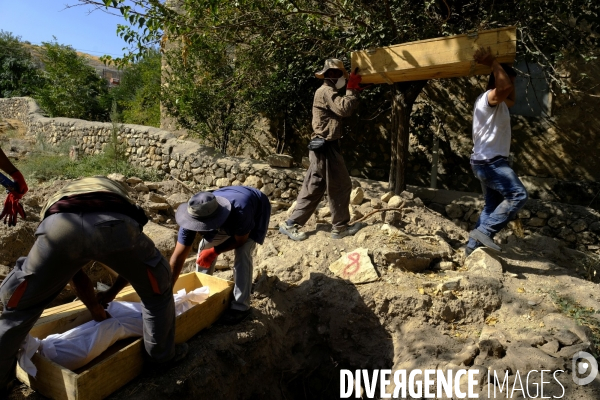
(491, 129)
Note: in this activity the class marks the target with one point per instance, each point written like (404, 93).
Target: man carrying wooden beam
(327, 171)
(91, 219)
(503, 192)
(230, 218)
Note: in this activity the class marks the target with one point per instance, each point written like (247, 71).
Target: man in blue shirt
(231, 218)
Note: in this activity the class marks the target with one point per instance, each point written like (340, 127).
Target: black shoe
(484, 239)
(181, 351)
(233, 317)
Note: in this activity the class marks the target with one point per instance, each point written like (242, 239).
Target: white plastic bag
(77, 347)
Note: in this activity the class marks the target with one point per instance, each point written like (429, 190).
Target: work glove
(12, 208)
(354, 80)
(206, 258)
(21, 184)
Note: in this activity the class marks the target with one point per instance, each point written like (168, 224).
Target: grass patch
(51, 165)
(583, 316)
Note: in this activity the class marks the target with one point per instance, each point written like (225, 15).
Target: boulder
(157, 206)
(176, 199)
(454, 210)
(156, 198)
(117, 177)
(386, 197)
(395, 202)
(357, 195)
(140, 187)
(164, 238)
(134, 180)
(253, 181)
(355, 266)
(280, 160)
(482, 263)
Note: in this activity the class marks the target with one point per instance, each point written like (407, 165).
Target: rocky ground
(426, 306)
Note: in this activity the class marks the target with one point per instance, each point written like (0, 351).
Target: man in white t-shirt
(504, 193)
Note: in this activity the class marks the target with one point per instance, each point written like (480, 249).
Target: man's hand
(484, 56)
(12, 209)
(99, 314)
(354, 80)
(207, 257)
(105, 297)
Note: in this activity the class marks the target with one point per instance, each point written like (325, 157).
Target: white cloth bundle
(77, 347)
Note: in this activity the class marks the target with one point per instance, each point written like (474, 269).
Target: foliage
(138, 94)
(259, 56)
(71, 88)
(54, 163)
(19, 75)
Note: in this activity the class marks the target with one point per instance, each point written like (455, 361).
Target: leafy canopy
(19, 75)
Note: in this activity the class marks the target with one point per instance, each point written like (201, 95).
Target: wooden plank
(52, 380)
(446, 57)
(124, 360)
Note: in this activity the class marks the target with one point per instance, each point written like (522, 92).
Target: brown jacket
(329, 107)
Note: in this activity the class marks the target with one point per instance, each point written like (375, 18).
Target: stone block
(355, 266)
(280, 160)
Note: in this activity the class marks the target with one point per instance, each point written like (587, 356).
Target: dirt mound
(525, 308)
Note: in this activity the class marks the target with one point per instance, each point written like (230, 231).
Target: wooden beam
(446, 57)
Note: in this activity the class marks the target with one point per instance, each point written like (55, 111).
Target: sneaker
(292, 231)
(346, 231)
(233, 317)
(484, 239)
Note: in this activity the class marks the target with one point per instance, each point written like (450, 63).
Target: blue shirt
(250, 213)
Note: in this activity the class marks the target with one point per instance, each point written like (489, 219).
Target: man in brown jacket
(327, 171)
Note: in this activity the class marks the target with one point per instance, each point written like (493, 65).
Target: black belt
(489, 161)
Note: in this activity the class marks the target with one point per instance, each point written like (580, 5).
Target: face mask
(340, 83)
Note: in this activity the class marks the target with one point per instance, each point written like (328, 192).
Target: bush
(19, 76)
(71, 88)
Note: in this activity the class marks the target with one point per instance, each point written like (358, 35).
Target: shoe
(181, 351)
(346, 231)
(292, 231)
(484, 239)
(233, 317)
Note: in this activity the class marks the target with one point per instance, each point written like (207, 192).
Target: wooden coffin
(446, 57)
(123, 361)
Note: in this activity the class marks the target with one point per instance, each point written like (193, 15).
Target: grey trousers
(327, 172)
(64, 244)
(242, 270)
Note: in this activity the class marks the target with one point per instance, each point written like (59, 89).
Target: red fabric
(17, 294)
(207, 257)
(354, 81)
(153, 281)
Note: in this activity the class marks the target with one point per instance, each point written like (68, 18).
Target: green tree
(71, 88)
(19, 75)
(281, 42)
(138, 94)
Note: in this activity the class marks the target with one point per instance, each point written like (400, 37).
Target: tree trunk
(404, 95)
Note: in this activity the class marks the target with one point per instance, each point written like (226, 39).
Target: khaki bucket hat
(332, 63)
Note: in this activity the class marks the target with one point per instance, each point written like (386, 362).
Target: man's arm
(109, 295)
(504, 86)
(341, 105)
(178, 257)
(6, 165)
(232, 243)
(85, 291)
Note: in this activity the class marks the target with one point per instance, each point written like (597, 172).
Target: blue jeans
(504, 196)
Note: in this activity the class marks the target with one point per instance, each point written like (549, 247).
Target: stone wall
(158, 149)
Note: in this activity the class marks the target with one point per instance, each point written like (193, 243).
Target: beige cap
(332, 63)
